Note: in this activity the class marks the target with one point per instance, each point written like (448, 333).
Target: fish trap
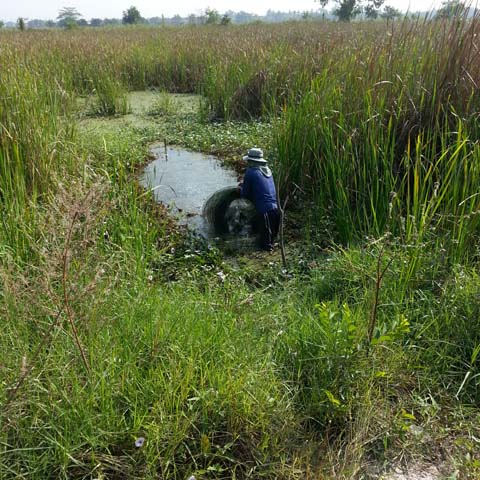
(230, 214)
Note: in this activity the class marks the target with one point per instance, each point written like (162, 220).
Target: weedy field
(131, 350)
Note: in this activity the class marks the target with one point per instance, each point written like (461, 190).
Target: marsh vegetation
(131, 350)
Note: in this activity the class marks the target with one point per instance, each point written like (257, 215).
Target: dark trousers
(268, 225)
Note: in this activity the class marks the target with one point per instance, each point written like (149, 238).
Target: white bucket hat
(255, 155)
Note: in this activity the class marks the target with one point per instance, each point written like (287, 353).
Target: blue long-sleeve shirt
(259, 188)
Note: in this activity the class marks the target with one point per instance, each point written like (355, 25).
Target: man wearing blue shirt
(258, 187)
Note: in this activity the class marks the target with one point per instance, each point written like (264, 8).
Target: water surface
(183, 181)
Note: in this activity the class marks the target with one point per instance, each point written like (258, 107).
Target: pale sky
(10, 10)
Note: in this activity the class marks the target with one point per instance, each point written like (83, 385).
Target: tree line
(344, 10)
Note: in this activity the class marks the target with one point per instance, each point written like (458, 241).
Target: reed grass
(382, 145)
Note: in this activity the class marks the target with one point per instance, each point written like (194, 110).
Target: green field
(360, 357)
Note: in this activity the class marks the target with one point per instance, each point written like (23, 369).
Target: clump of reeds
(163, 105)
(386, 138)
(109, 97)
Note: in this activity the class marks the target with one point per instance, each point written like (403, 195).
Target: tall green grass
(35, 136)
(387, 139)
(188, 378)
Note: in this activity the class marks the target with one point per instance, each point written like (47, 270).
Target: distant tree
(192, 19)
(177, 20)
(36, 23)
(212, 16)
(225, 20)
(82, 23)
(96, 22)
(450, 9)
(50, 24)
(390, 13)
(155, 21)
(244, 17)
(111, 21)
(348, 9)
(370, 12)
(21, 24)
(68, 17)
(1, 24)
(131, 16)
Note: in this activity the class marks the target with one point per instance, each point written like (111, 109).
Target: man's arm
(246, 186)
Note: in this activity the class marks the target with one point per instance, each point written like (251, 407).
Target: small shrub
(318, 354)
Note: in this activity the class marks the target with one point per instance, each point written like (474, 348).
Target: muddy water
(183, 181)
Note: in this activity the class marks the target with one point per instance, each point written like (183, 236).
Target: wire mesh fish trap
(230, 214)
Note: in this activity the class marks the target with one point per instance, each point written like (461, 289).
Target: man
(259, 188)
